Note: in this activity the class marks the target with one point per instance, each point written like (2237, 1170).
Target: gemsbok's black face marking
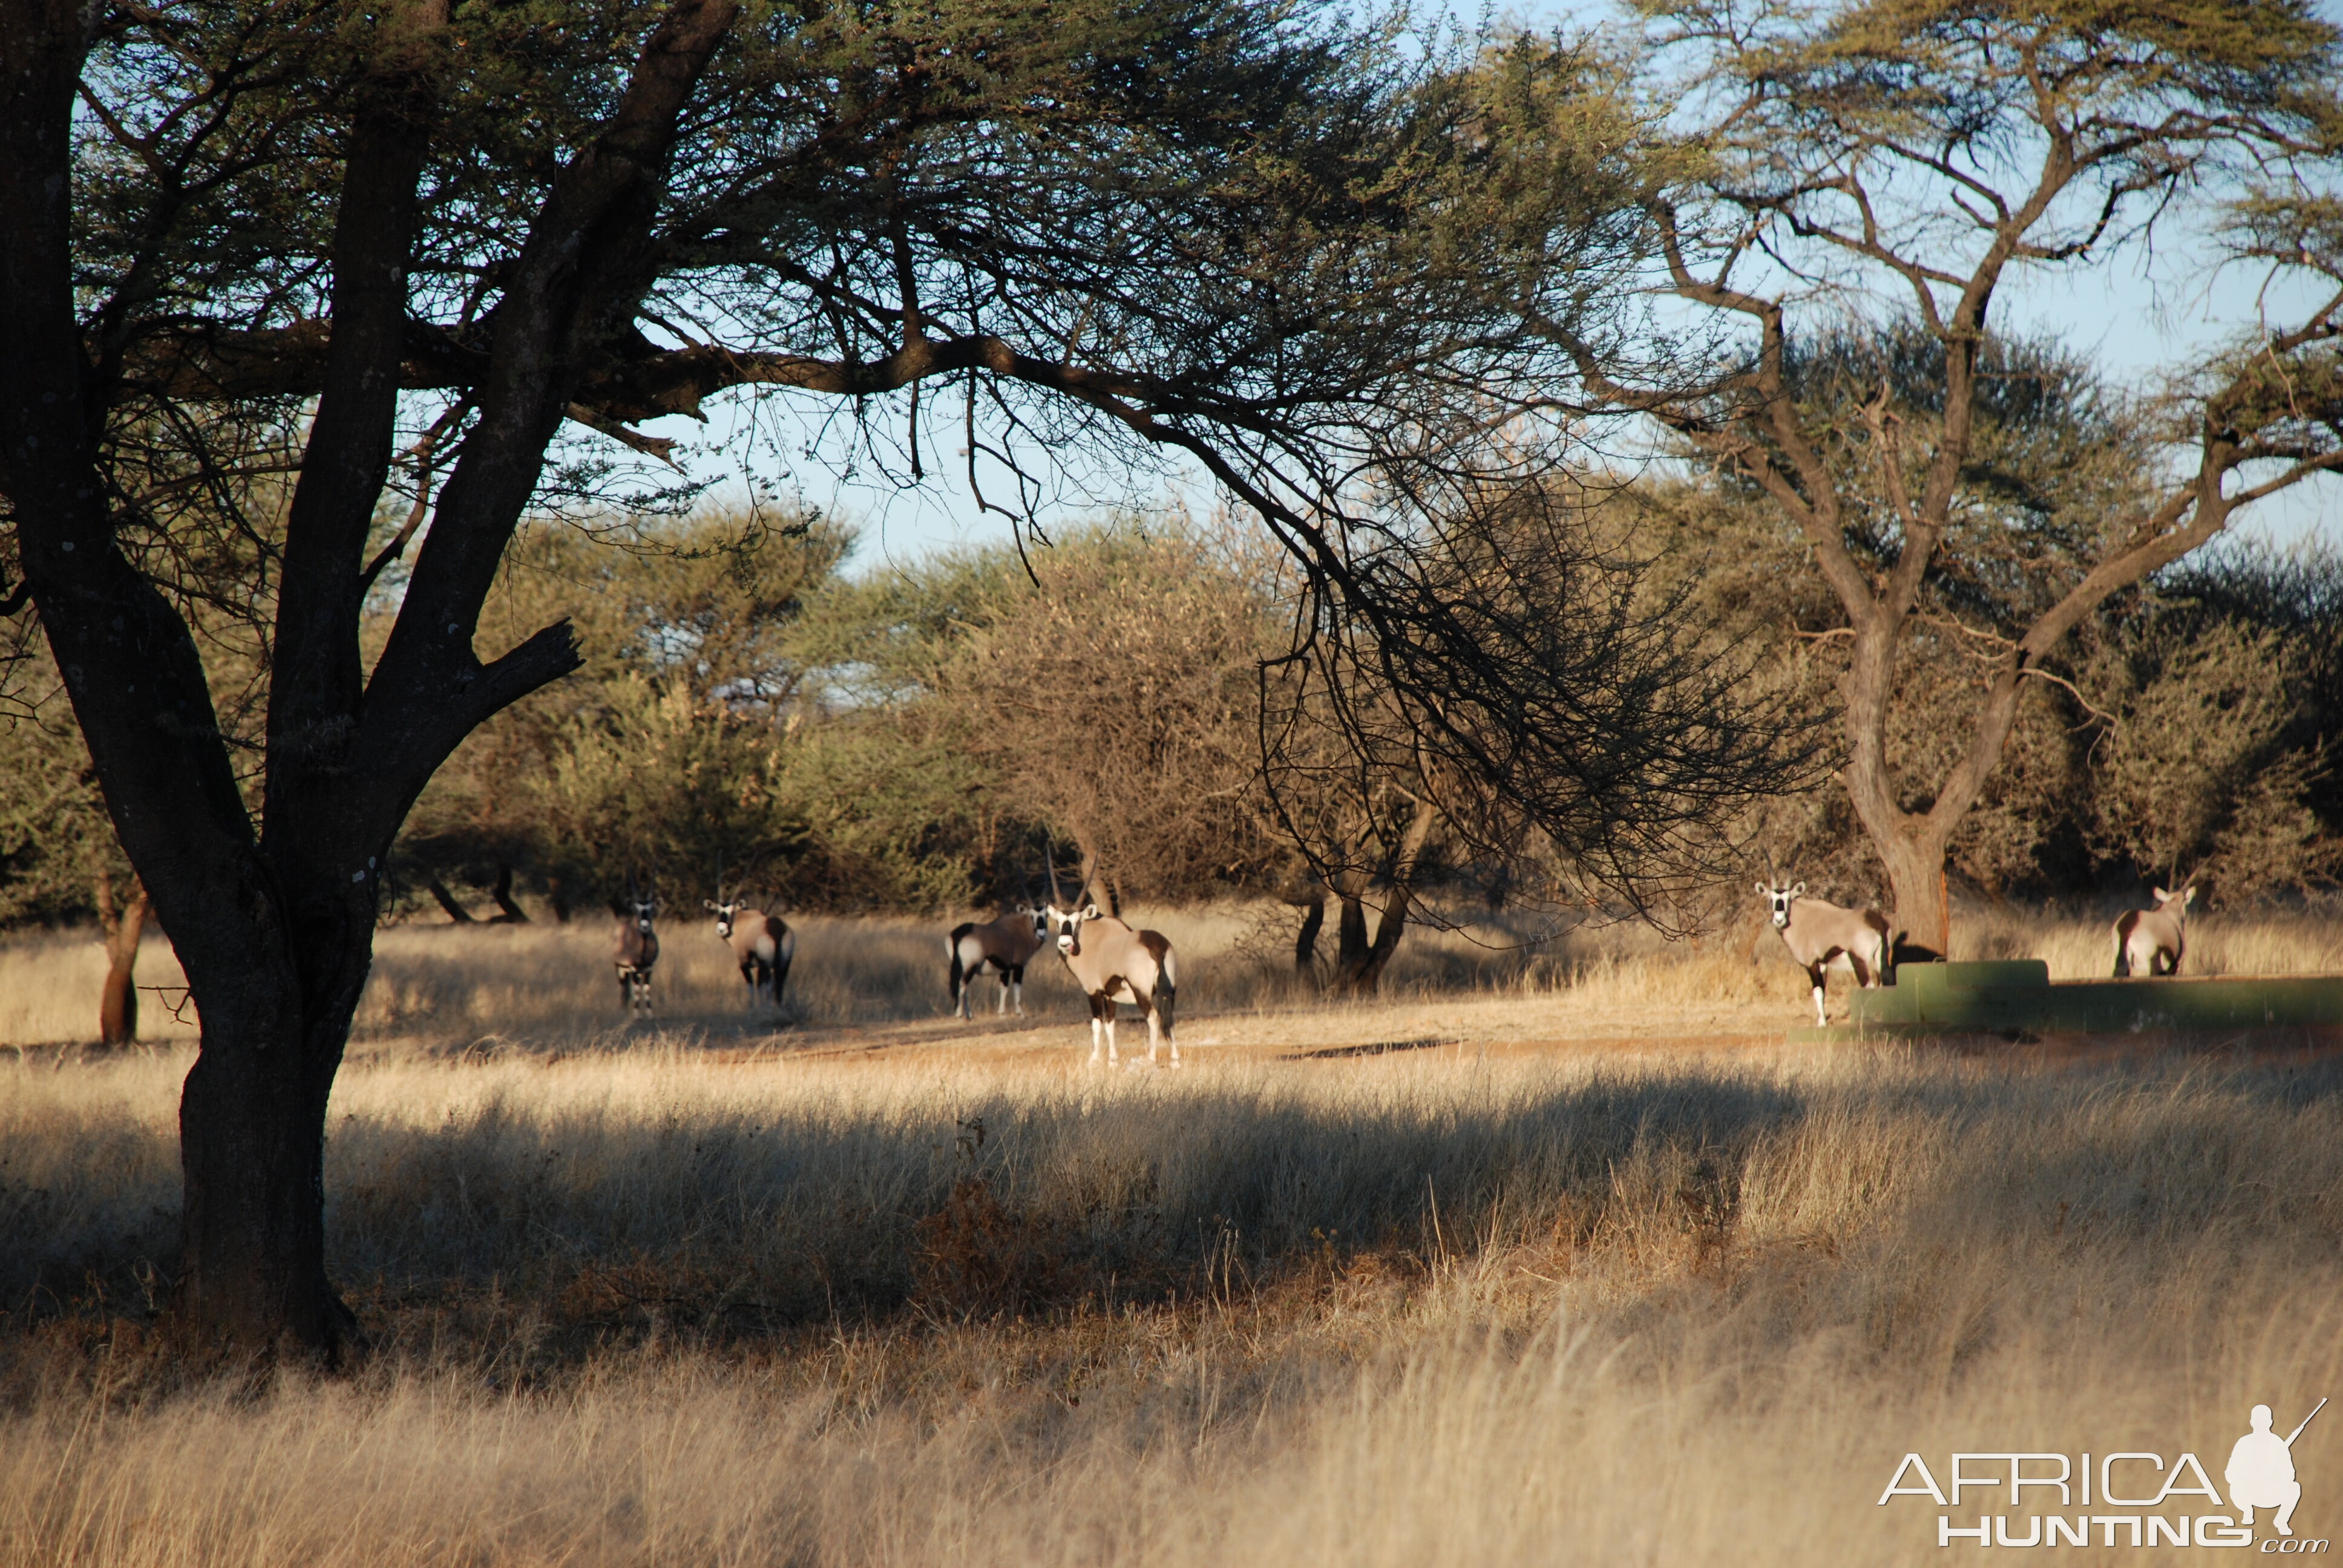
(1782, 898)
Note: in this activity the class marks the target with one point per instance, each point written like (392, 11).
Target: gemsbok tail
(957, 973)
(1167, 991)
(2125, 923)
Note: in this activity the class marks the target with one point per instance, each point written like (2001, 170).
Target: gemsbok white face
(1782, 898)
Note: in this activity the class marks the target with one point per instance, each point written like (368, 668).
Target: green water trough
(2018, 995)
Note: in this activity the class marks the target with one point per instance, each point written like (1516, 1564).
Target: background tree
(413, 240)
(1928, 151)
(1115, 702)
(2214, 760)
(2199, 697)
(665, 751)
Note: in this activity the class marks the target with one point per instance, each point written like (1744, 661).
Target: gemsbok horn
(1823, 937)
(2150, 942)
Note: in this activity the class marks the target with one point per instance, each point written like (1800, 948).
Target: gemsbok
(1113, 963)
(2150, 942)
(637, 951)
(1005, 946)
(762, 944)
(1821, 937)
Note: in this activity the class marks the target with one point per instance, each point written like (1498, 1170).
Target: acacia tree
(415, 239)
(1930, 151)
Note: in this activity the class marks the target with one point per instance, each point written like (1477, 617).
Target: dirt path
(1475, 1027)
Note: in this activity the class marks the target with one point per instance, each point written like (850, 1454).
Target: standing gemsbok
(762, 944)
(2150, 942)
(1005, 946)
(637, 950)
(1113, 963)
(1821, 937)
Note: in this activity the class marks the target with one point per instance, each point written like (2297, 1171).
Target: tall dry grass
(1427, 1308)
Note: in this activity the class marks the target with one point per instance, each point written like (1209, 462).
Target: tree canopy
(1817, 162)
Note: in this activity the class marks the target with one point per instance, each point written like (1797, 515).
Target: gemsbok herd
(1114, 963)
(1110, 960)
(1823, 937)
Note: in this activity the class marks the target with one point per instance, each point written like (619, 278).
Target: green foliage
(1109, 701)
(667, 751)
(2190, 728)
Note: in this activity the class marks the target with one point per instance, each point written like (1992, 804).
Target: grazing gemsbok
(2150, 942)
(637, 951)
(1821, 935)
(1113, 963)
(1005, 946)
(763, 945)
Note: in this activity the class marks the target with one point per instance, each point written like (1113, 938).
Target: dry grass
(453, 985)
(944, 1296)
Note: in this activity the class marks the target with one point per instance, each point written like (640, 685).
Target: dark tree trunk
(1360, 961)
(448, 902)
(1351, 943)
(508, 912)
(274, 921)
(252, 1152)
(123, 925)
(1305, 941)
(556, 898)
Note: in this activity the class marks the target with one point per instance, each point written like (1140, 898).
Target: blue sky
(2136, 315)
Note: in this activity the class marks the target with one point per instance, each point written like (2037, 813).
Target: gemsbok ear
(2187, 896)
(2162, 897)
(709, 902)
(1090, 911)
(1799, 892)
(1764, 891)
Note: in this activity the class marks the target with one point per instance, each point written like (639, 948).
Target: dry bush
(1418, 1312)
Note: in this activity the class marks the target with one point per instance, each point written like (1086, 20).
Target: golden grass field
(1596, 1270)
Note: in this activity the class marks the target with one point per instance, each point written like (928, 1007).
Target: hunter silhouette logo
(2261, 1471)
(2129, 1498)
